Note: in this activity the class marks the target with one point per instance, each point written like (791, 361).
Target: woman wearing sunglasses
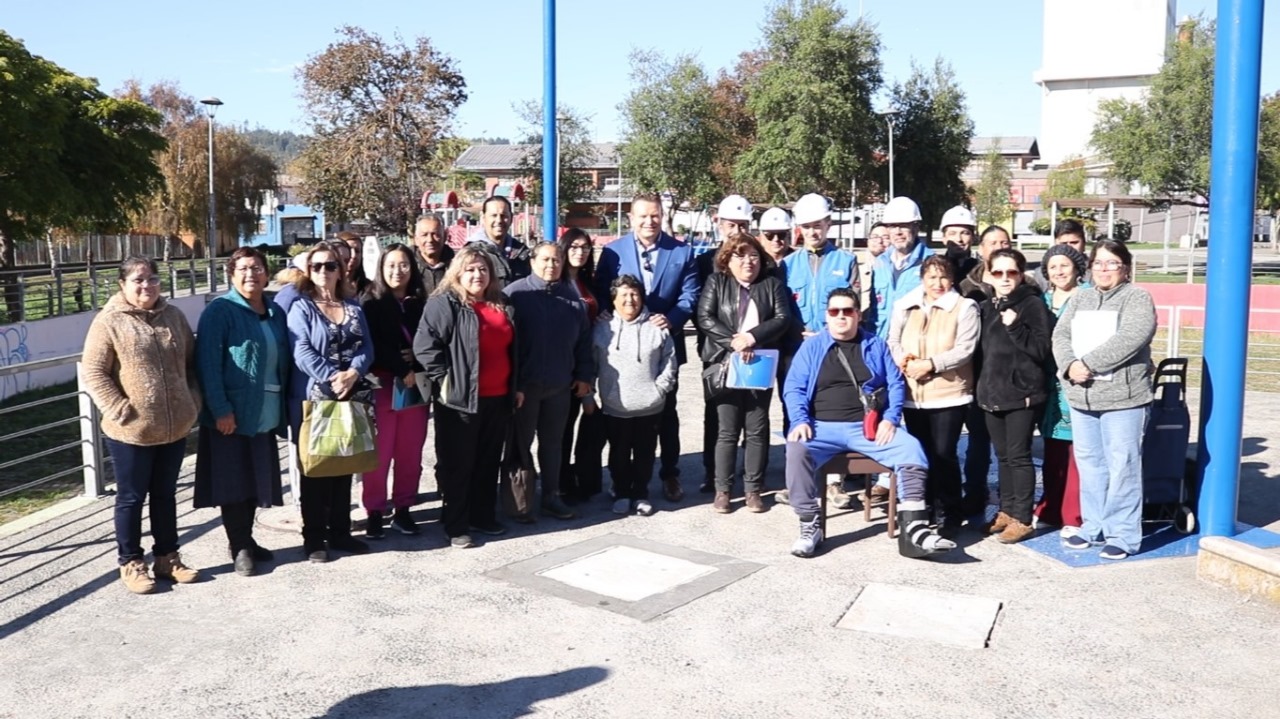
(1016, 333)
(332, 352)
(1103, 349)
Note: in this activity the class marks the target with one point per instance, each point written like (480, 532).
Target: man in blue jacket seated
(830, 375)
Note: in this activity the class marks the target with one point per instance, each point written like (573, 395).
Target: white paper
(1090, 329)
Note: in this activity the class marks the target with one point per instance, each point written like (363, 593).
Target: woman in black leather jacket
(743, 308)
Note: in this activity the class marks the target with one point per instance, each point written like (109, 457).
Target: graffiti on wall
(13, 350)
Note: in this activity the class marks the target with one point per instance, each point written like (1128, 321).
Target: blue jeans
(143, 472)
(1108, 449)
(903, 455)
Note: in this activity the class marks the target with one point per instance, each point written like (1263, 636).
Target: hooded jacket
(1015, 356)
(636, 364)
(139, 368)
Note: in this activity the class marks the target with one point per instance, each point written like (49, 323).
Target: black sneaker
(403, 523)
(261, 553)
(373, 526)
(493, 529)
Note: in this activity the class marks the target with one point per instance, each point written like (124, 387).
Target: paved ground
(419, 630)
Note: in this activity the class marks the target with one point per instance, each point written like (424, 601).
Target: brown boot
(135, 577)
(1014, 532)
(755, 503)
(721, 503)
(170, 566)
(997, 525)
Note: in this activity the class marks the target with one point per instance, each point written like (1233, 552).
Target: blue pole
(1233, 171)
(550, 205)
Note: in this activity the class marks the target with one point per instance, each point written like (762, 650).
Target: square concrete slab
(634, 577)
(956, 619)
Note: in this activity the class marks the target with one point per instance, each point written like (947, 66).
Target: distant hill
(283, 147)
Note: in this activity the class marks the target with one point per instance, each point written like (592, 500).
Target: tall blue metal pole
(550, 138)
(1233, 173)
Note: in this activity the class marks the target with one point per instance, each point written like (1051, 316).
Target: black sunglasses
(326, 266)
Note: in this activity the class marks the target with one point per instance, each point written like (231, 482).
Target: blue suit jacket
(675, 277)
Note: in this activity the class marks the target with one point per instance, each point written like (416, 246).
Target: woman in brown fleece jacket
(139, 359)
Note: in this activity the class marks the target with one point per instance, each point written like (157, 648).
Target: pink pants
(401, 436)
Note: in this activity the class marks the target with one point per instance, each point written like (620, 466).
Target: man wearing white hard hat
(812, 273)
(775, 236)
(959, 228)
(897, 271)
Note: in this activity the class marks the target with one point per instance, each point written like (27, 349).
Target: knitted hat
(1076, 256)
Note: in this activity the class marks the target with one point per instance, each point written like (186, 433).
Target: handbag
(870, 400)
(337, 438)
(714, 378)
(405, 397)
(517, 477)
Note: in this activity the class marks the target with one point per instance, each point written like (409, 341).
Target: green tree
(991, 202)
(1066, 181)
(670, 136)
(379, 110)
(577, 155)
(1269, 155)
(815, 128)
(1162, 141)
(736, 126)
(71, 156)
(931, 136)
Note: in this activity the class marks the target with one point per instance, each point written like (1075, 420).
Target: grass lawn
(15, 505)
(1262, 372)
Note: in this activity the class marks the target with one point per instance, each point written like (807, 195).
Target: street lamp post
(211, 105)
(888, 118)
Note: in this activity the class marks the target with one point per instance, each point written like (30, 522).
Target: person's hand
(519, 400)
(581, 389)
(885, 432)
(588, 406)
(409, 380)
(342, 382)
(802, 433)
(742, 341)
(1078, 373)
(747, 355)
(1008, 317)
(227, 424)
(918, 369)
(659, 321)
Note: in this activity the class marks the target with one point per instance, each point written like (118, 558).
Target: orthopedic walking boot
(915, 538)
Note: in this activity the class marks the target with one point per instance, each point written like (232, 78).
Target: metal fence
(96, 248)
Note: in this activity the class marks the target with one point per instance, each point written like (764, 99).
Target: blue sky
(245, 52)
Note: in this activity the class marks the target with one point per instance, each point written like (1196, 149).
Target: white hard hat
(810, 208)
(900, 211)
(775, 219)
(734, 207)
(958, 215)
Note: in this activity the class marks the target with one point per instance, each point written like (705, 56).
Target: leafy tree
(1066, 181)
(379, 111)
(1269, 155)
(1162, 141)
(282, 147)
(736, 125)
(815, 128)
(670, 135)
(991, 201)
(71, 156)
(577, 155)
(931, 136)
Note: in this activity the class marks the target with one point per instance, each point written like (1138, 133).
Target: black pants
(743, 411)
(237, 521)
(142, 473)
(710, 431)
(469, 451)
(582, 477)
(542, 417)
(977, 460)
(939, 432)
(632, 444)
(1011, 436)
(669, 436)
(326, 509)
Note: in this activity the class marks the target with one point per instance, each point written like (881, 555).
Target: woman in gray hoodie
(1102, 345)
(636, 370)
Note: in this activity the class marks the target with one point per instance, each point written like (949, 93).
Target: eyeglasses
(583, 248)
(746, 257)
(1001, 274)
(842, 311)
(1107, 264)
(326, 266)
(249, 270)
(151, 281)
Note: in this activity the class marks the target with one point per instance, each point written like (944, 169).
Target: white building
(1095, 50)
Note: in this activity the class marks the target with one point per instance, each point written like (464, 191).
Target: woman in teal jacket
(242, 360)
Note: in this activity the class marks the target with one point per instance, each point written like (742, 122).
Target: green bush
(1040, 226)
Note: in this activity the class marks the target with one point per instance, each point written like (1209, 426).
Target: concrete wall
(58, 337)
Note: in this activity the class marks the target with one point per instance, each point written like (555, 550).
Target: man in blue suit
(667, 268)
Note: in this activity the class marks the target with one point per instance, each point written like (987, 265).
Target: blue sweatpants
(903, 455)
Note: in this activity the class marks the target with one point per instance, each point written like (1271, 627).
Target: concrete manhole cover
(628, 573)
(960, 620)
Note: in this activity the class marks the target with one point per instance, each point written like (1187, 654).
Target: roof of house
(1008, 145)
(507, 157)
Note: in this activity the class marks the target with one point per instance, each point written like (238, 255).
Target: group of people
(505, 347)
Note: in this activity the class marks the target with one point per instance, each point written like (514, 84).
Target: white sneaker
(622, 506)
(643, 508)
(810, 538)
(1068, 531)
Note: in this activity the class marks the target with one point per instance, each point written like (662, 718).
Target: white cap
(734, 207)
(775, 219)
(810, 208)
(900, 211)
(958, 215)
